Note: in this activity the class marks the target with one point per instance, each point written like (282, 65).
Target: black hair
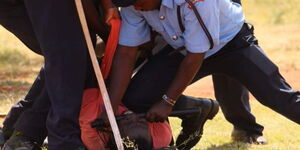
(139, 142)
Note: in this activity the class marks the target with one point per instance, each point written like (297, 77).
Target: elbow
(126, 52)
(192, 59)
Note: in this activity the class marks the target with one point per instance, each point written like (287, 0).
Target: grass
(281, 133)
(18, 68)
(277, 28)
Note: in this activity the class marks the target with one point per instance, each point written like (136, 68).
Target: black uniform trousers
(233, 98)
(241, 59)
(59, 35)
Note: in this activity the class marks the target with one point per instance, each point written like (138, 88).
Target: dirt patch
(204, 87)
(7, 75)
(13, 88)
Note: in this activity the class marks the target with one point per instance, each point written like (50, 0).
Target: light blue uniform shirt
(223, 19)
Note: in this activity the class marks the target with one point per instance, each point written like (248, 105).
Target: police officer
(233, 98)
(54, 27)
(234, 52)
(234, 101)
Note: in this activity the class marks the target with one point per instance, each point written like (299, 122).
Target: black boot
(2, 139)
(18, 141)
(192, 125)
(5, 133)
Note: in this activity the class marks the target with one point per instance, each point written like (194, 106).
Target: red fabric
(110, 47)
(95, 140)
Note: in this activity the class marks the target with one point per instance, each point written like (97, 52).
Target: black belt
(240, 40)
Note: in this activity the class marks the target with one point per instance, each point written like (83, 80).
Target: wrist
(106, 4)
(110, 8)
(168, 100)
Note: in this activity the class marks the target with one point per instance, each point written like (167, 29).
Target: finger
(108, 21)
(160, 119)
(150, 117)
(156, 118)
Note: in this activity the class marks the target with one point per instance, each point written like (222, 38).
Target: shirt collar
(171, 3)
(179, 2)
(168, 3)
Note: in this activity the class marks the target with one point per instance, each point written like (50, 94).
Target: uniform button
(162, 17)
(174, 37)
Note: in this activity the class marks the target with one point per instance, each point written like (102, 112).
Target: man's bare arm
(120, 76)
(111, 12)
(185, 74)
(93, 19)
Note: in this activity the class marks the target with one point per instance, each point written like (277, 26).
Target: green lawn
(277, 28)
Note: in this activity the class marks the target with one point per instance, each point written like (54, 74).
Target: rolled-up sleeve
(195, 38)
(134, 29)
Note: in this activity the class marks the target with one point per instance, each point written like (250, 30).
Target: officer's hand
(112, 13)
(159, 112)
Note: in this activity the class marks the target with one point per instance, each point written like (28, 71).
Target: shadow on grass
(230, 146)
